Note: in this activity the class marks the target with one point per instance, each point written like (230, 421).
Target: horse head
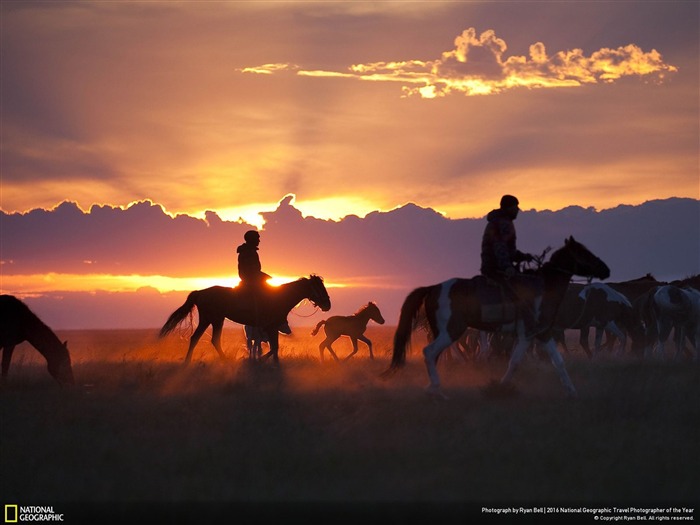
(59, 365)
(574, 257)
(318, 294)
(374, 313)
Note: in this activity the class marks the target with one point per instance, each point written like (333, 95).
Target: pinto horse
(455, 305)
(217, 303)
(664, 309)
(595, 305)
(353, 326)
(17, 324)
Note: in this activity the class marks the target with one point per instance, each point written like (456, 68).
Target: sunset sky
(349, 107)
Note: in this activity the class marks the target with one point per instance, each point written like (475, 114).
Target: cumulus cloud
(478, 66)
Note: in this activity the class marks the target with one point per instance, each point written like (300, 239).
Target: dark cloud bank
(383, 255)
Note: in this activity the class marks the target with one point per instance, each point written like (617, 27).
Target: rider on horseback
(249, 267)
(253, 279)
(500, 258)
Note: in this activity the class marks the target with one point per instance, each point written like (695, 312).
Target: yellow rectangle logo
(10, 513)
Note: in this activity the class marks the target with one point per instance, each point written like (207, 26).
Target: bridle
(316, 293)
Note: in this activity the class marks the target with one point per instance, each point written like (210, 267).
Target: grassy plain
(139, 427)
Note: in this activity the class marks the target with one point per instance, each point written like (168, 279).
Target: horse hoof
(435, 392)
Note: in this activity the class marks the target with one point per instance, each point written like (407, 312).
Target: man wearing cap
(500, 256)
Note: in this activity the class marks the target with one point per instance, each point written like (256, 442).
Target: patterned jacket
(498, 245)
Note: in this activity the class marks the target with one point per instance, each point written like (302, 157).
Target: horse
(454, 305)
(217, 303)
(596, 305)
(353, 326)
(692, 328)
(256, 336)
(660, 310)
(17, 324)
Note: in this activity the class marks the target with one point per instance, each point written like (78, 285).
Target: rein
(316, 309)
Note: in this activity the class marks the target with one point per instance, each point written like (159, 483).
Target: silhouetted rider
(500, 257)
(249, 267)
(253, 279)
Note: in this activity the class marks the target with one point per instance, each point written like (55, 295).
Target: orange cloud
(477, 66)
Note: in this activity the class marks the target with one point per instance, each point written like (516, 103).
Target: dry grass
(140, 427)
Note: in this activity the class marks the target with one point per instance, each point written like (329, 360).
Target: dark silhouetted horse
(455, 305)
(353, 326)
(18, 324)
(269, 311)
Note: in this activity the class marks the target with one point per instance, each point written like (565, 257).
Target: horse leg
(583, 340)
(368, 343)
(521, 347)
(431, 353)
(217, 327)
(250, 345)
(679, 336)
(617, 333)
(274, 342)
(354, 348)
(326, 343)
(558, 362)
(664, 332)
(598, 341)
(195, 339)
(484, 346)
(560, 337)
(6, 357)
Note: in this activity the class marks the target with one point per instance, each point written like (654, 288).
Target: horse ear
(65, 344)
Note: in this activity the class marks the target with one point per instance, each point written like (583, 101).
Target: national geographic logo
(24, 514)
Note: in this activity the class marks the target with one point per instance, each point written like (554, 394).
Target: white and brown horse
(596, 305)
(454, 305)
(662, 310)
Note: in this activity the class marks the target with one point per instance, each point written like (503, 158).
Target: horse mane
(647, 277)
(37, 327)
(693, 281)
(364, 307)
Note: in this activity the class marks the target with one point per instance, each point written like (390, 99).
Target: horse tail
(318, 327)
(409, 311)
(178, 315)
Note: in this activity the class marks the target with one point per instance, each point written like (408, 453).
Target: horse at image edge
(18, 324)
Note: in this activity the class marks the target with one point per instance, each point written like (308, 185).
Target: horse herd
(457, 314)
